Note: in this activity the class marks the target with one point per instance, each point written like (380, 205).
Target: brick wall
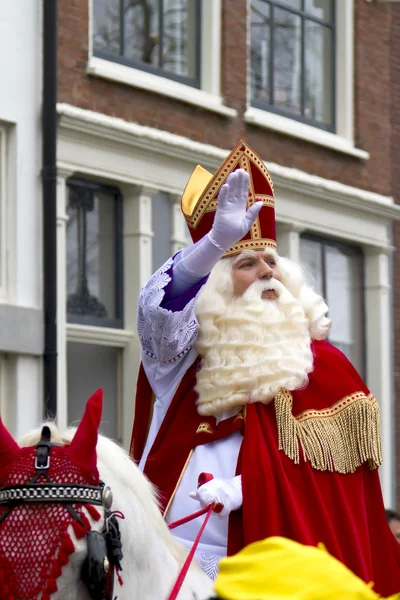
(372, 54)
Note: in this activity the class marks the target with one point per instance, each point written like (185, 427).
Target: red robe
(308, 463)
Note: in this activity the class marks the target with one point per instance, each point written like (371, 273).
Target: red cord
(184, 520)
(178, 583)
(203, 478)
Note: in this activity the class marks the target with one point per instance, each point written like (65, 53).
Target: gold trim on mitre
(200, 194)
(339, 438)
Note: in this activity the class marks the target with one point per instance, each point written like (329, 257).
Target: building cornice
(117, 130)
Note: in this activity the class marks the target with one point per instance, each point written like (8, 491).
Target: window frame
(159, 71)
(355, 250)
(343, 140)
(207, 96)
(305, 16)
(118, 321)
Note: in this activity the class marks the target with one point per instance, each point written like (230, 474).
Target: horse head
(59, 533)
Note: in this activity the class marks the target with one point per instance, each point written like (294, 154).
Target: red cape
(308, 463)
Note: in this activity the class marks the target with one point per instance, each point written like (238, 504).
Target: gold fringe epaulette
(339, 438)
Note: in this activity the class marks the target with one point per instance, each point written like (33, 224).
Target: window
(337, 273)
(94, 300)
(293, 59)
(158, 36)
(94, 255)
(89, 367)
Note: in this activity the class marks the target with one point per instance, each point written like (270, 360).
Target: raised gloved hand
(222, 492)
(232, 221)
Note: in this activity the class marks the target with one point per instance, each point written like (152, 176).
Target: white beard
(250, 346)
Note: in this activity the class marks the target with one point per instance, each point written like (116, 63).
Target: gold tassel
(339, 438)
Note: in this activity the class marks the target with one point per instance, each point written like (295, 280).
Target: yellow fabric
(281, 569)
(199, 180)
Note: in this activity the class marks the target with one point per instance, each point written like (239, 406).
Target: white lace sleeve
(165, 336)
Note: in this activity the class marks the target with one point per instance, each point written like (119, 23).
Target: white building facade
(21, 314)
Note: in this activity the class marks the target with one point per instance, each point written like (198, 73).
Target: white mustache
(267, 284)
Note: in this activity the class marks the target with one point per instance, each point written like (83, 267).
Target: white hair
(250, 346)
(313, 304)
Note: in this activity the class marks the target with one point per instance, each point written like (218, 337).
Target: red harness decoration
(37, 534)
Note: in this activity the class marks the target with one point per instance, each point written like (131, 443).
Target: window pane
(107, 26)
(260, 50)
(141, 21)
(91, 255)
(318, 72)
(162, 229)
(322, 9)
(287, 61)
(169, 43)
(179, 37)
(342, 271)
(311, 261)
(90, 367)
(344, 295)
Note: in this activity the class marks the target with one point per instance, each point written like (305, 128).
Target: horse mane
(116, 459)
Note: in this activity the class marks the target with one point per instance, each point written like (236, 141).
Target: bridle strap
(51, 492)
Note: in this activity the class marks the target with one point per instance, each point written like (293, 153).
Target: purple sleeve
(177, 304)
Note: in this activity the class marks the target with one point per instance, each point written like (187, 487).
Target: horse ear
(8, 446)
(82, 449)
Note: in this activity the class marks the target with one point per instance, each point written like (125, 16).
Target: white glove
(226, 492)
(232, 221)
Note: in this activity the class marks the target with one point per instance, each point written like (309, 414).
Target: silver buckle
(46, 466)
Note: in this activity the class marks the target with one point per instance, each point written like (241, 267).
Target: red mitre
(200, 198)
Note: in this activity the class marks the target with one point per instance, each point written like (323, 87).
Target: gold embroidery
(250, 245)
(204, 428)
(196, 204)
(240, 415)
(339, 438)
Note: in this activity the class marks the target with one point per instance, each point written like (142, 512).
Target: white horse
(152, 558)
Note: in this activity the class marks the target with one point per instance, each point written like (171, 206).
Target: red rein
(178, 583)
(203, 478)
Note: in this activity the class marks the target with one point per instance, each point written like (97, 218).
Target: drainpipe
(49, 186)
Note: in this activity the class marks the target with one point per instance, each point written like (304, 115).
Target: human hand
(232, 221)
(223, 492)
